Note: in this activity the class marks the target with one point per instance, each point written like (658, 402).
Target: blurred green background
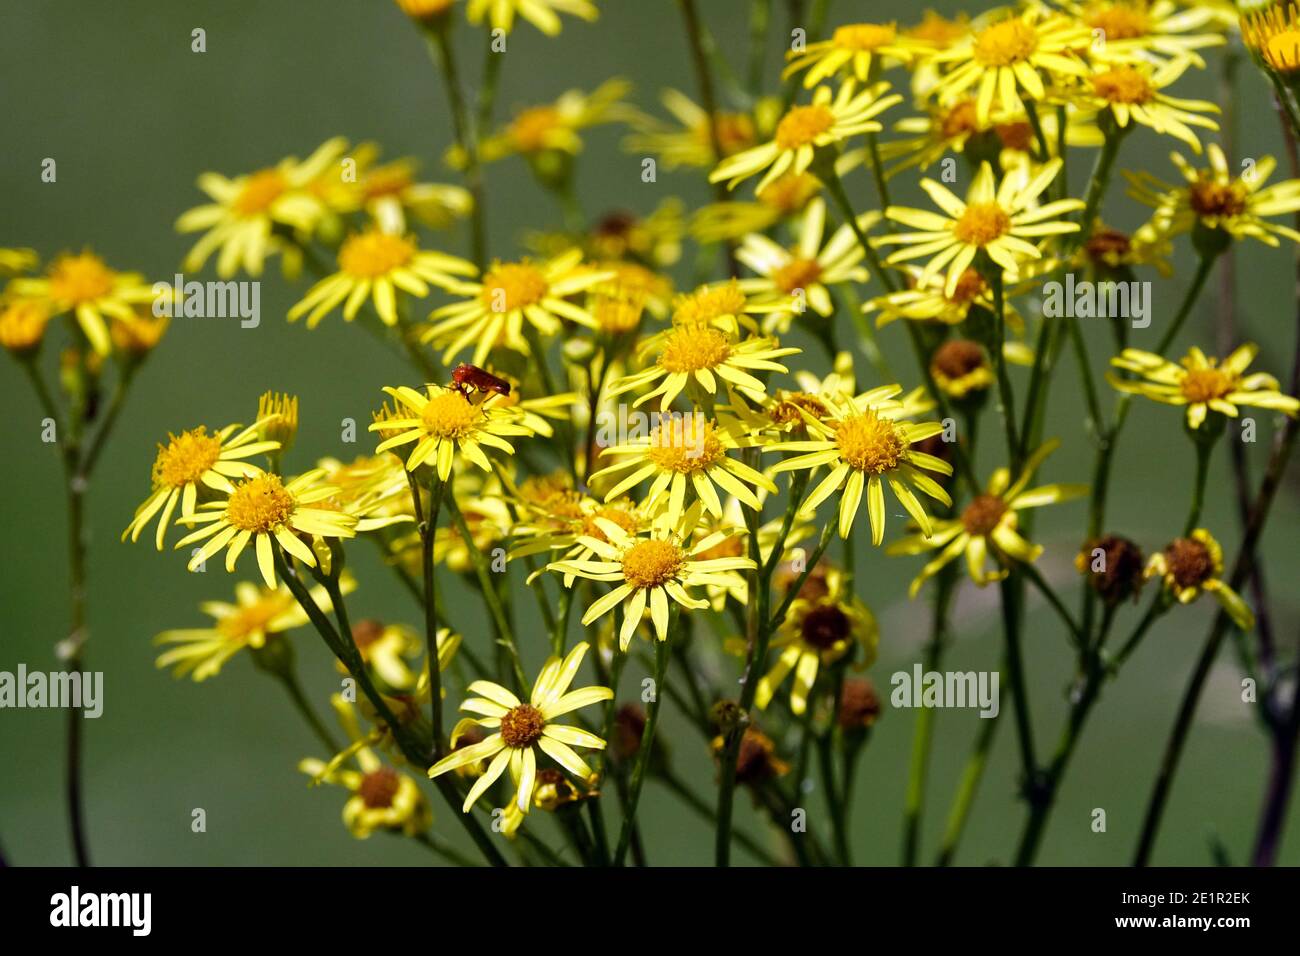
(113, 92)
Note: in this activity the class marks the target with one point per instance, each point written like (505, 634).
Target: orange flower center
(969, 287)
(80, 278)
(522, 726)
(1206, 384)
(260, 505)
(981, 224)
(260, 190)
(958, 119)
(1123, 85)
(802, 125)
(1189, 561)
(531, 129)
(373, 254)
(513, 285)
(983, 514)
(652, 563)
(378, 788)
(1119, 21)
(797, 274)
(185, 458)
(870, 443)
(864, 37)
(1006, 43)
(1210, 199)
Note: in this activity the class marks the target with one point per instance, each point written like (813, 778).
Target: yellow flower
(1220, 202)
(1138, 30)
(1193, 565)
(959, 368)
(85, 285)
(865, 445)
(1273, 33)
(509, 294)
(195, 459)
(424, 9)
(702, 354)
(650, 568)
(555, 126)
(138, 335)
(827, 120)
(853, 48)
(1133, 93)
(444, 423)
(817, 632)
(263, 509)
(247, 210)
(684, 451)
(998, 220)
(383, 798)
(258, 613)
(928, 300)
(1202, 384)
(540, 13)
(522, 729)
(1008, 60)
(22, 325)
(989, 526)
(388, 192)
(805, 271)
(691, 144)
(375, 265)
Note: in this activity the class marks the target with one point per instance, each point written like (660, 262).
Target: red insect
(467, 378)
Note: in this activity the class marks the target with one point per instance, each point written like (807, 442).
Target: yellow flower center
(22, 324)
(390, 180)
(1119, 21)
(513, 285)
(260, 190)
(260, 505)
(1205, 384)
(870, 443)
(790, 192)
(685, 444)
(372, 254)
(983, 514)
(521, 726)
(864, 36)
(1123, 85)
(1005, 43)
(939, 31)
(617, 313)
(802, 125)
(652, 563)
(786, 411)
(253, 618)
(1210, 199)
(689, 349)
(621, 516)
(735, 132)
(185, 458)
(531, 129)
(797, 274)
(80, 278)
(378, 788)
(981, 224)
(449, 414)
(702, 307)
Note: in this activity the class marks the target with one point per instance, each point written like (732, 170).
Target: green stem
(663, 651)
(1203, 269)
(966, 790)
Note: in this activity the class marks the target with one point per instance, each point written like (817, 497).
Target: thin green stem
(663, 651)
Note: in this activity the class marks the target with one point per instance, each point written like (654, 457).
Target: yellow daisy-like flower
(265, 510)
(257, 614)
(998, 220)
(1273, 33)
(703, 355)
(652, 567)
(829, 119)
(988, 526)
(805, 271)
(1193, 565)
(192, 459)
(1008, 60)
(864, 444)
(375, 265)
(507, 296)
(86, 286)
(246, 210)
(853, 48)
(522, 729)
(928, 299)
(1132, 93)
(691, 144)
(542, 14)
(444, 423)
(1137, 30)
(383, 798)
(1215, 199)
(687, 450)
(554, 127)
(1203, 384)
(815, 633)
(388, 192)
